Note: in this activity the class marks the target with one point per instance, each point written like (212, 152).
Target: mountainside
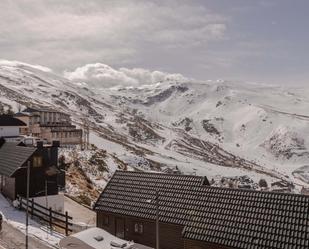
(208, 128)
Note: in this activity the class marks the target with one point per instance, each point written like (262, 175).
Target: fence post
(50, 220)
(66, 223)
(32, 207)
(20, 202)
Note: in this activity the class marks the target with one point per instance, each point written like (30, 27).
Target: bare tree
(263, 183)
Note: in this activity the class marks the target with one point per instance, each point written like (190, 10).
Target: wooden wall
(111, 226)
(8, 187)
(170, 235)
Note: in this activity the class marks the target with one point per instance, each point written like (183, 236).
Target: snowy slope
(266, 124)
(208, 128)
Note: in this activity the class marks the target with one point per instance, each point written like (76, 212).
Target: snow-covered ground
(207, 128)
(17, 219)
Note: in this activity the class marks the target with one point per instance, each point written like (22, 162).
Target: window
(37, 161)
(138, 228)
(141, 228)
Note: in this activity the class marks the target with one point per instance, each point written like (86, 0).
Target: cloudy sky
(252, 40)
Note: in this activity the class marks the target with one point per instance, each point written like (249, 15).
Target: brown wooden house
(14, 157)
(194, 215)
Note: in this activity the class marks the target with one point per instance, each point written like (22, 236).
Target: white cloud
(103, 76)
(57, 32)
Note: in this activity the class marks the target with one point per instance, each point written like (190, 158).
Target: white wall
(55, 202)
(9, 131)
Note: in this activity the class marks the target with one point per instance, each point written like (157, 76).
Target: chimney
(205, 181)
(54, 152)
(39, 144)
(2, 141)
(56, 144)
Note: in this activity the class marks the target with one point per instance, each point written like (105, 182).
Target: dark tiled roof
(231, 217)
(40, 109)
(13, 156)
(8, 120)
(22, 114)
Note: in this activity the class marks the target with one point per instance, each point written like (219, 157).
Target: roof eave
(21, 167)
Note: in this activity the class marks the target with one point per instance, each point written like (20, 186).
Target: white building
(10, 127)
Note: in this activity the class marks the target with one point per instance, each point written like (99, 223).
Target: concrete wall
(35, 130)
(64, 136)
(9, 131)
(53, 117)
(25, 129)
(55, 202)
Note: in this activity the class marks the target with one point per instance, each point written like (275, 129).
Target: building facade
(50, 125)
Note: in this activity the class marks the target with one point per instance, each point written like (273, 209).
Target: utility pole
(46, 199)
(156, 200)
(85, 134)
(88, 143)
(27, 207)
(157, 220)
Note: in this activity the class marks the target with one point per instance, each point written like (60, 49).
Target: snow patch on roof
(88, 236)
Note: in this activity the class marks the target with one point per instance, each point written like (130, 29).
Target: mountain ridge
(207, 128)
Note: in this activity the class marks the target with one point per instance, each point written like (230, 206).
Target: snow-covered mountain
(209, 128)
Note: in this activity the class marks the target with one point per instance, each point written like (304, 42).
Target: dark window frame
(138, 228)
(37, 161)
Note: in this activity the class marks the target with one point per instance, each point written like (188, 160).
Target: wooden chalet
(14, 157)
(194, 215)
